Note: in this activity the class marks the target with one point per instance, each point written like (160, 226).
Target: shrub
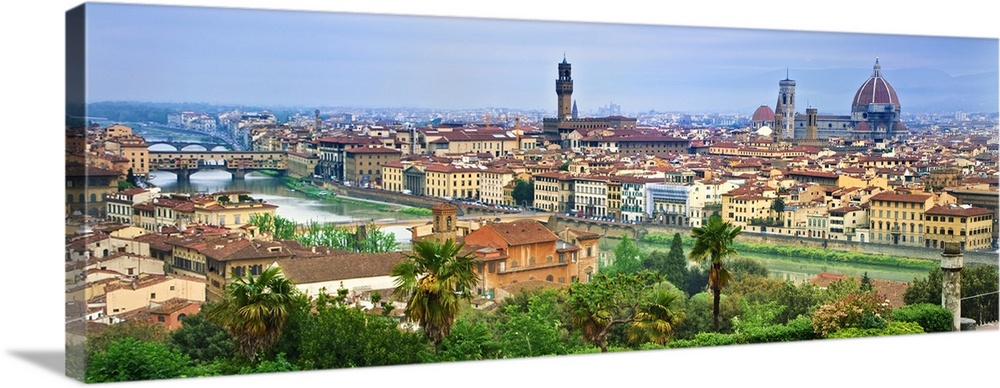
(798, 329)
(707, 339)
(865, 310)
(893, 328)
(931, 317)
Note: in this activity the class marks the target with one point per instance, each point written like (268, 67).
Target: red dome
(764, 113)
(862, 127)
(876, 90)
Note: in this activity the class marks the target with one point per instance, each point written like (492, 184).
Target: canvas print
(258, 191)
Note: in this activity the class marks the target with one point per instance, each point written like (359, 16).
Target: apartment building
(899, 219)
(971, 227)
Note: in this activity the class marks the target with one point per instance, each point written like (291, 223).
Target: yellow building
(231, 209)
(125, 296)
(615, 199)
(899, 219)
(452, 180)
(87, 188)
(301, 165)
(392, 176)
(971, 226)
(239, 257)
(363, 165)
(741, 206)
(553, 191)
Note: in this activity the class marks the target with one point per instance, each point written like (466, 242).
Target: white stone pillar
(951, 282)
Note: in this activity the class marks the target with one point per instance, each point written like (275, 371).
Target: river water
(293, 205)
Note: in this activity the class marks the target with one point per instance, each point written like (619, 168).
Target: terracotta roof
(373, 150)
(522, 232)
(953, 210)
(340, 267)
(171, 305)
(893, 197)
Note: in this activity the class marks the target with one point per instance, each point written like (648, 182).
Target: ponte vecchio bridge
(185, 163)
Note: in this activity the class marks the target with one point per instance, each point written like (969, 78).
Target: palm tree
(659, 317)
(434, 278)
(254, 310)
(713, 241)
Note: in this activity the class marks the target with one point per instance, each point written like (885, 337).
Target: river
(293, 205)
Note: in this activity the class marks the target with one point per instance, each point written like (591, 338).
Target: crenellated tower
(564, 89)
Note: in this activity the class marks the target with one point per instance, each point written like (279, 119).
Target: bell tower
(564, 89)
(784, 111)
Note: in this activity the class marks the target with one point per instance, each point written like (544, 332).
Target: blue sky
(220, 55)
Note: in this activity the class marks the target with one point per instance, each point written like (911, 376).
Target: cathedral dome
(764, 113)
(876, 90)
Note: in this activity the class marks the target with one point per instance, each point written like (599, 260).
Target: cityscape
(709, 204)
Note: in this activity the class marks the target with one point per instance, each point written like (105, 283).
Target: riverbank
(784, 265)
(328, 196)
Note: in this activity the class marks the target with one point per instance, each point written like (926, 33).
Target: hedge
(931, 317)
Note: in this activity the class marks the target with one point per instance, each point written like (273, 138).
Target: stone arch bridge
(179, 144)
(185, 163)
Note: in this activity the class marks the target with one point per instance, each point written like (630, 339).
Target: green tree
(130, 359)
(778, 206)
(713, 243)
(744, 267)
(202, 340)
(609, 301)
(254, 310)
(866, 283)
(368, 238)
(136, 329)
(433, 279)
(278, 227)
(534, 332)
(524, 192)
(628, 257)
(673, 265)
(346, 337)
(469, 340)
(564, 166)
(699, 316)
(979, 284)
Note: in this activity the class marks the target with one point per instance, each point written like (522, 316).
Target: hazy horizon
(225, 56)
